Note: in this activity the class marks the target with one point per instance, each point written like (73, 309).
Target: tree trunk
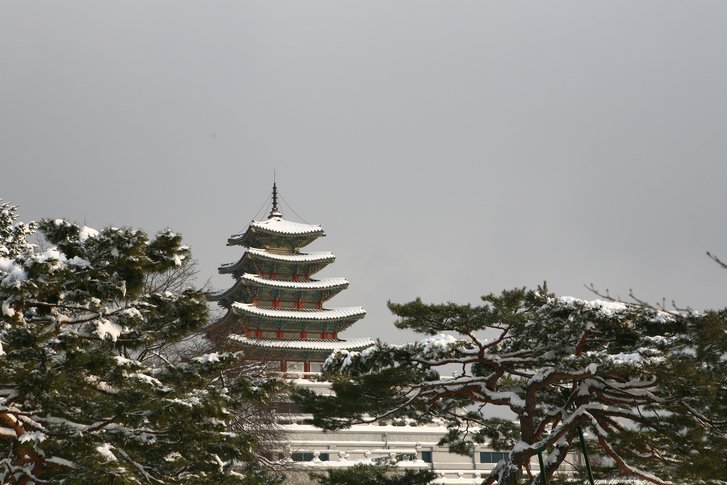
(507, 473)
(510, 474)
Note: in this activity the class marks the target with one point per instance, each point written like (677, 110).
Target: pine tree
(363, 474)
(88, 391)
(558, 364)
(693, 375)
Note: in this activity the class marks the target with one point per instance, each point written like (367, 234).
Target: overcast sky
(449, 149)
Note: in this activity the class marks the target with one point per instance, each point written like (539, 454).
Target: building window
(492, 456)
(427, 456)
(308, 456)
(296, 366)
(316, 366)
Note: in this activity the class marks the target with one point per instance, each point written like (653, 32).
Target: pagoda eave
(277, 232)
(307, 285)
(324, 315)
(273, 240)
(304, 344)
(251, 287)
(310, 326)
(298, 349)
(254, 259)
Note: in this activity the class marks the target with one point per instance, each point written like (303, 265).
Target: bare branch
(714, 258)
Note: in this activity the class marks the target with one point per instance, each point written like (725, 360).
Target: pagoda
(275, 309)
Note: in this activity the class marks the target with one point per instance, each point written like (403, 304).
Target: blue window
(492, 456)
(427, 456)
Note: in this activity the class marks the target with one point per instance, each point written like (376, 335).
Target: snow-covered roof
(330, 287)
(277, 224)
(327, 314)
(293, 258)
(320, 258)
(308, 344)
(304, 285)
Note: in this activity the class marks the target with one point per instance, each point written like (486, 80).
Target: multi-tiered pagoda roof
(275, 309)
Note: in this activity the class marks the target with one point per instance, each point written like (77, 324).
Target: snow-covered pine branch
(558, 363)
(91, 388)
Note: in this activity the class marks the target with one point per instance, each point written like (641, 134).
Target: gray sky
(449, 149)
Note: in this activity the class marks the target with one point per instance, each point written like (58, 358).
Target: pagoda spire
(275, 211)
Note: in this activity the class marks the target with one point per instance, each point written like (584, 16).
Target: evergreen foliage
(89, 390)
(362, 474)
(647, 386)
